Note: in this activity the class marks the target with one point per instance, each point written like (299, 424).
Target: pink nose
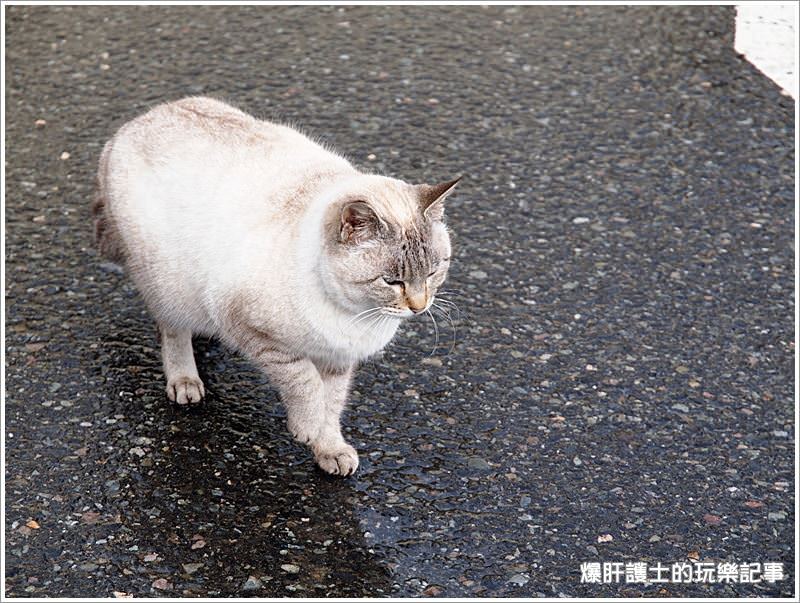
(417, 303)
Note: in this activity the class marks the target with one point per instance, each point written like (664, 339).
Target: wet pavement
(621, 384)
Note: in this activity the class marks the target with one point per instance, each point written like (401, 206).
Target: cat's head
(387, 246)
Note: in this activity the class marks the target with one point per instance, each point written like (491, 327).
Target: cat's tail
(106, 235)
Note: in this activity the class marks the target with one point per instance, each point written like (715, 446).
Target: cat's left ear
(432, 196)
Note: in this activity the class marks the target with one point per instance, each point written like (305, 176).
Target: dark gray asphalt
(624, 267)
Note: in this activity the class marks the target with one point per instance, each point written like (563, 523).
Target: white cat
(247, 230)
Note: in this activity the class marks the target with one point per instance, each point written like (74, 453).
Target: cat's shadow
(228, 475)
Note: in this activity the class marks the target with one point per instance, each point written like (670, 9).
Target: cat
(247, 230)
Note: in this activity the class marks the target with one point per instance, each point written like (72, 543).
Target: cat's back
(204, 157)
(210, 126)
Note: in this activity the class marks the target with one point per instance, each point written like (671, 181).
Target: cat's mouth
(398, 313)
(402, 313)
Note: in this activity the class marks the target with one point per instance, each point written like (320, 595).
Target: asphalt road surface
(621, 384)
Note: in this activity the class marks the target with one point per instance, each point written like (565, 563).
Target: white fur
(242, 229)
(205, 213)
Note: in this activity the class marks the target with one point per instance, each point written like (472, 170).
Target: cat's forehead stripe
(413, 259)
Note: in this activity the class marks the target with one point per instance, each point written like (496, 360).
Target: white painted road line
(766, 34)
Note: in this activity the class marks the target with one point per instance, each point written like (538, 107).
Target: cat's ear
(432, 196)
(359, 223)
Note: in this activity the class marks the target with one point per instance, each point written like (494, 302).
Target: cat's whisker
(442, 295)
(384, 321)
(367, 315)
(435, 330)
(367, 311)
(367, 322)
(376, 322)
(364, 315)
(446, 314)
(447, 302)
(446, 294)
(454, 292)
(450, 304)
(444, 311)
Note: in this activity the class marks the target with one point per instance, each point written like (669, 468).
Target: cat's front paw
(304, 432)
(185, 390)
(338, 460)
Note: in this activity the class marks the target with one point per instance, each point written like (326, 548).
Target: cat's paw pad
(341, 460)
(185, 390)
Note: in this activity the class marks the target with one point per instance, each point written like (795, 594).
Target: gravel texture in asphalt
(621, 384)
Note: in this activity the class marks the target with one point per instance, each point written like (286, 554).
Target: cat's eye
(436, 266)
(394, 283)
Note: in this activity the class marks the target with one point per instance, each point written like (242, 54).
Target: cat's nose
(417, 303)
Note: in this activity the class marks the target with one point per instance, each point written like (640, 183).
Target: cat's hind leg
(183, 383)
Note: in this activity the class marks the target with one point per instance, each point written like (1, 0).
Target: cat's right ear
(359, 223)
(431, 198)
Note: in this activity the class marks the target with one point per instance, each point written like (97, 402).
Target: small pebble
(191, 568)
(252, 583)
(478, 463)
